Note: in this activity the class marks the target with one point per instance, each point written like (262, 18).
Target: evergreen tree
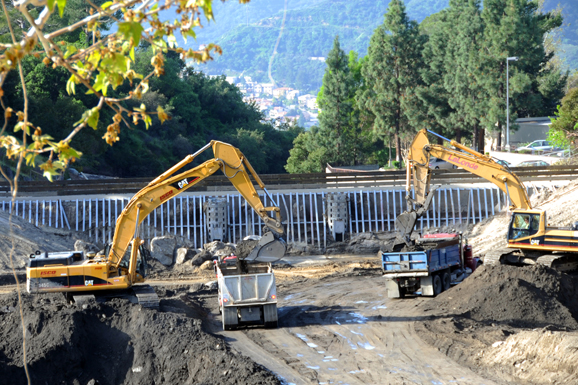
(516, 28)
(391, 75)
(466, 96)
(337, 121)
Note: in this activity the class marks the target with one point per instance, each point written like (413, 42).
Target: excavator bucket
(405, 222)
(269, 249)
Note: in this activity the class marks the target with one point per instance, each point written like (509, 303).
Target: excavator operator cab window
(524, 225)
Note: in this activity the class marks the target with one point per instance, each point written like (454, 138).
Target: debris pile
(117, 343)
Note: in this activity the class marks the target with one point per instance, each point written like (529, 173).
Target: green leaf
(70, 50)
(71, 85)
(172, 40)
(30, 159)
(131, 29)
(132, 54)
(50, 4)
(61, 4)
(93, 118)
(106, 5)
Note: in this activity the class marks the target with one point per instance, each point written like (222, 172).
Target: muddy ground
(503, 325)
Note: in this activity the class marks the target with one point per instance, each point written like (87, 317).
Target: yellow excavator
(530, 240)
(118, 270)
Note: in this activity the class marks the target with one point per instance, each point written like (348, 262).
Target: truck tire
(446, 281)
(270, 316)
(229, 317)
(437, 285)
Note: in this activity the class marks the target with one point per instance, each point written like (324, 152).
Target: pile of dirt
(117, 343)
(497, 312)
(27, 239)
(523, 297)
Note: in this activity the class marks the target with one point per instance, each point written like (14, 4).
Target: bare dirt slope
(27, 239)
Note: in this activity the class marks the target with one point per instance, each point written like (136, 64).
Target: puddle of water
(357, 371)
(299, 355)
(366, 345)
(351, 344)
(321, 352)
(328, 357)
(361, 302)
(358, 318)
(311, 345)
(331, 369)
(334, 359)
(288, 297)
(313, 367)
(354, 332)
(379, 307)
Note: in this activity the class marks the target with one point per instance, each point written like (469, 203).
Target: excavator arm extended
(461, 156)
(168, 185)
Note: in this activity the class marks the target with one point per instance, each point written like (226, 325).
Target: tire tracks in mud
(344, 330)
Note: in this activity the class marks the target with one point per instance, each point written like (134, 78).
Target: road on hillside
(344, 330)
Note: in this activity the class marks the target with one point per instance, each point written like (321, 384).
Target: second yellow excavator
(530, 239)
(75, 273)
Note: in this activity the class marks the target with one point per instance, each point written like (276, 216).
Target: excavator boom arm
(469, 160)
(167, 186)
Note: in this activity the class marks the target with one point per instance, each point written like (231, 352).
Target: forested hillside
(201, 109)
(247, 33)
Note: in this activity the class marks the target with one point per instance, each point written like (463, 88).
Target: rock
(212, 285)
(218, 248)
(163, 249)
(184, 254)
(87, 247)
(201, 257)
(207, 265)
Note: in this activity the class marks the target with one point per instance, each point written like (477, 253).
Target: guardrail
(352, 180)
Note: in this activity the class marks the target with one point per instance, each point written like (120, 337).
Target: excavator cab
(523, 225)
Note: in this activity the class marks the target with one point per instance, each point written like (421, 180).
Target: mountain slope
(247, 33)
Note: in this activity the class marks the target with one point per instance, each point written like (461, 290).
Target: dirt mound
(117, 343)
(28, 238)
(524, 297)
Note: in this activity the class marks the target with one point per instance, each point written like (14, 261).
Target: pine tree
(516, 28)
(466, 96)
(337, 121)
(391, 75)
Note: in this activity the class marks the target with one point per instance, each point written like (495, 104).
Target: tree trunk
(499, 141)
(397, 147)
(459, 135)
(482, 140)
(476, 138)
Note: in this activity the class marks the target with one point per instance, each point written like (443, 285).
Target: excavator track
(496, 257)
(146, 296)
(560, 262)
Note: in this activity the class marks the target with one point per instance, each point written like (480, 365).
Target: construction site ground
(502, 325)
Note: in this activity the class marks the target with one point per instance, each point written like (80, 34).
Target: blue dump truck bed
(428, 272)
(424, 262)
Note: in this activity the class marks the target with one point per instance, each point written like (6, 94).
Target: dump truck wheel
(446, 281)
(437, 285)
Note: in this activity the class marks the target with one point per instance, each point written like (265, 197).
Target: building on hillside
(248, 79)
(278, 92)
(303, 99)
(267, 88)
(257, 88)
(312, 104)
(230, 79)
(291, 95)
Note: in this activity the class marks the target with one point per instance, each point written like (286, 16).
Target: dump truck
(431, 265)
(247, 291)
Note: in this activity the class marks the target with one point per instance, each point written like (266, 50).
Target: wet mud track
(344, 330)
